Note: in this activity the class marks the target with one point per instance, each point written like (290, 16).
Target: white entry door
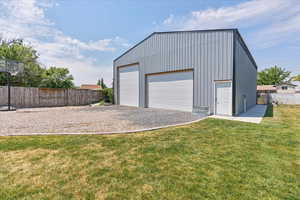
(223, 98)
(129, 85)
(171, 91)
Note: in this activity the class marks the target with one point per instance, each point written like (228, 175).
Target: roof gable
(157, 33)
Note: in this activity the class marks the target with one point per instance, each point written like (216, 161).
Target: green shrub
(108, 95)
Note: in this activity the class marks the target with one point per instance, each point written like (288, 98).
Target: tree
(55, 77)
(16, 50)
(33, 74)
(273, 76)
(101, 83)
(108, 94)
(296, 78)
(103, 86)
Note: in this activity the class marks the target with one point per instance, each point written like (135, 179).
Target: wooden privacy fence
(27, 97)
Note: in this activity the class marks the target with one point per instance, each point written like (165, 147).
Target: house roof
(90, 87)
(266, 87)
(290, 84)
(297, 83)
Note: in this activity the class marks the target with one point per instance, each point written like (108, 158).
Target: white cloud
(26, 11)
(85, 71)
(269, 20)
(26, 19)
(169, 20)
(286, 30)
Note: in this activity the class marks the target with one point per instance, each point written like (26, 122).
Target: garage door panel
(171, 91)
(129, 86)
(170, 77)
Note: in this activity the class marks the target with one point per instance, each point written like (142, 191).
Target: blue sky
(86, 35)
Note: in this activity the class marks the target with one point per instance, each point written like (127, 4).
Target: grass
(101, 103)
(211, 159)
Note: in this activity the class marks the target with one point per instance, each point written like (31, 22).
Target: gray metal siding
(209, 53)
(246, 75)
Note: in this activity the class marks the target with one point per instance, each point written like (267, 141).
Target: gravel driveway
(86, 119)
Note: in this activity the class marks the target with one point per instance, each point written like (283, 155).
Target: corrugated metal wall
(246, 75)
(209, 53)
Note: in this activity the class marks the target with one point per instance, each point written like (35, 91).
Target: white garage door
(171, 91)
(223, 98)
(129, 85)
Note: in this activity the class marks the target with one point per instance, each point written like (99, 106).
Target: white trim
(215, 96)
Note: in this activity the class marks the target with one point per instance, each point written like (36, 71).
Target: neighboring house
(205, 71)
(263, 92)
(297, 83)
(286, 88)
(266, 89)
(91, 87)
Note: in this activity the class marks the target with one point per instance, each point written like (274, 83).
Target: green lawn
(211, 159)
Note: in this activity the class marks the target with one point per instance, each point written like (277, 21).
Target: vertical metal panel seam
(233, 75)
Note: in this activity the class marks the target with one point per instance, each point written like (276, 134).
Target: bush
(108, 95)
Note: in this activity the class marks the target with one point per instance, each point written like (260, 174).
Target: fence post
(8, 90)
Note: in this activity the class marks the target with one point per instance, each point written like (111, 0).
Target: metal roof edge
(191, 31)
(134, 46)
(246, 48)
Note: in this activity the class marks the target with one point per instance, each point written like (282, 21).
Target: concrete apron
(253, 115)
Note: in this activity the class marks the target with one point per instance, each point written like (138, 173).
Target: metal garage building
(205, 71)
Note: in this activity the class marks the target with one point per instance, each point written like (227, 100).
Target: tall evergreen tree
(102, 84)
